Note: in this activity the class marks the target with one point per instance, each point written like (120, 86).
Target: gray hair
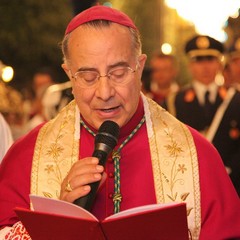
(135, 35)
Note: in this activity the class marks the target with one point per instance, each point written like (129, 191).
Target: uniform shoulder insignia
(222, 91)
(234, 132)
(189, 95)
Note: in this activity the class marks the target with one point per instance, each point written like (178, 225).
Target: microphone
(105, 141)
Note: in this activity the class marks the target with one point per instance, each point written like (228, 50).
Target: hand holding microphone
(105, 141)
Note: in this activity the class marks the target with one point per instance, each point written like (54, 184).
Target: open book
(55, 219)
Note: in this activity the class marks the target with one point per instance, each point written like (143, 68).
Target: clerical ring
(68, 187)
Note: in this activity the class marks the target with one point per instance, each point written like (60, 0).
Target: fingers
(82, 173)
(103, 179)
(85, 166)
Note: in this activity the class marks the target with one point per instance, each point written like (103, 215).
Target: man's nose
(105, 89)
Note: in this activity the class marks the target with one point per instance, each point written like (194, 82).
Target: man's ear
(67, 71)
(142, 60)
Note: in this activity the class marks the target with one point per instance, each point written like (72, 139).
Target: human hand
(82, 173)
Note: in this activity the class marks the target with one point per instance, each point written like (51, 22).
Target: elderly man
(159, 158)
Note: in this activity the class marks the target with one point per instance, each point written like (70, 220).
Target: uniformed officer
(234, 63)
(164, 71)
(211, 109)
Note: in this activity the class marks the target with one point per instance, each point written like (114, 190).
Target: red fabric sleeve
(220, 204)
(15, 172)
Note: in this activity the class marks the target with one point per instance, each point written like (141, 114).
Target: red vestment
(220, 205)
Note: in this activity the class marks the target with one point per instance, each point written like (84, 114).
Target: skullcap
(100, 12)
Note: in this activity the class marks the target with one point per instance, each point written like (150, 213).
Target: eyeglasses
(118, 76)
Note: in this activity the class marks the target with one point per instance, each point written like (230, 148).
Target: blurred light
(6, 72)
(236, 15)
(166, 48)
(208, 16)
(219, 79)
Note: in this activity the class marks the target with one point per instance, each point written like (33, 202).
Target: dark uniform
(218, 120)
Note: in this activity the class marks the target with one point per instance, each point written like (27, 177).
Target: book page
(156, 221)
(55, 206)
(142, 209)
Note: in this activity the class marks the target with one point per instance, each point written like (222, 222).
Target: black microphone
(105, 141)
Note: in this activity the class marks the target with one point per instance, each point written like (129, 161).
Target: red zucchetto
(100, 13)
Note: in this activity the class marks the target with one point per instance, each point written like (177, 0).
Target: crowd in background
(42, 101)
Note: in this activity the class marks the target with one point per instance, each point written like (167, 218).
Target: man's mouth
(107, 110)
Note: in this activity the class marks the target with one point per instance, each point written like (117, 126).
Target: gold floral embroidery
(172, 167)
(189, 211)
(54, 150)
(182, 168)
(49, 168)
(184, 196)
(174, 149)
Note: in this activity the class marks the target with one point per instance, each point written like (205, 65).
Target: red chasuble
(220, 205)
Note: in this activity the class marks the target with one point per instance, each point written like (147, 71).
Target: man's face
(205, 70)
(41, 79)
(234, 68)
(102, 50)
(163, 71)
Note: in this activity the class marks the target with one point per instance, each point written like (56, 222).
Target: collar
(200, 90)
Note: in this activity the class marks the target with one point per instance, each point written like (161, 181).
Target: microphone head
(108, 134)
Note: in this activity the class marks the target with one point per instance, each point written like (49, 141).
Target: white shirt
(6, 139)
(201, 89)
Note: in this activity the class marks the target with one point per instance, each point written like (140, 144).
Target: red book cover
(55, 219)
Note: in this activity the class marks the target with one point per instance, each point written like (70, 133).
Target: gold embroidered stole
(56, 149)
(174, 160)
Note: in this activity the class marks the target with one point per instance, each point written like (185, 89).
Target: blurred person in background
(11, 107)
(146, 82)
(55, 98)
(227, 76)
(211, 109)
(234, 63)
(164, 71)
(6, 139)
(42, 79)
